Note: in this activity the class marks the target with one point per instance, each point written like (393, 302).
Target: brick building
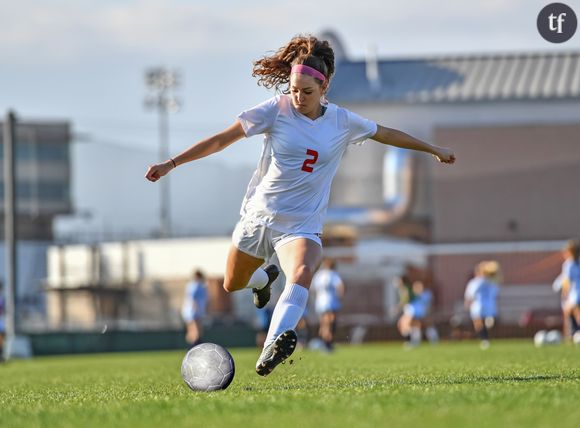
(512, 195)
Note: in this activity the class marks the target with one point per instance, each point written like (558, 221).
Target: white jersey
(290, 188)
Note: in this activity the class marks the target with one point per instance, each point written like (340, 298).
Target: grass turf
(511, 384)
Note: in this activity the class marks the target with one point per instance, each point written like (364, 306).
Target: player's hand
(444, 155)
(155, 172)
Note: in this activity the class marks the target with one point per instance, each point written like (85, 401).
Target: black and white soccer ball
(208, 367)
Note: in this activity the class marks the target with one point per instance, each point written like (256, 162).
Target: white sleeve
(259, 119)
(359, 128)
(557, 284)
(469, 290)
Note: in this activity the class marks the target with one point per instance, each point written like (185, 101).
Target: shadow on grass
(499, 379)
(372, 384)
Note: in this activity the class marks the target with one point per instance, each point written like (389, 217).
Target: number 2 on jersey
(307, 165)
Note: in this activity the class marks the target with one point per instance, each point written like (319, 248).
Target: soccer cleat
(262, 295)
(276, 352)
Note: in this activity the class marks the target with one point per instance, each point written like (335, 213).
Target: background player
(480, 298)
(329, 290)
(194, 307)
(569, 281)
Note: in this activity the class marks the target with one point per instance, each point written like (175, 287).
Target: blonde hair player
(305, 137)
(570, 283)
(481, 298)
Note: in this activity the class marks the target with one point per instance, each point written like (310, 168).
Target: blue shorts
(417, 312)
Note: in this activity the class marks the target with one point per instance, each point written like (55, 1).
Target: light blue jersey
(571, 273)
(483, 297)
(326, 284)
(419, 307)
(195, 301)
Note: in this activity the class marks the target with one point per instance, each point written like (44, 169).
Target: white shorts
(252, 237)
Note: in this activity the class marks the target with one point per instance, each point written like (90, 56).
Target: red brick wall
(512, 183)
(451, 272)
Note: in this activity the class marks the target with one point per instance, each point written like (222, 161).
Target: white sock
(288, 311)
(432, 334)
(415, 335)
(258, 280)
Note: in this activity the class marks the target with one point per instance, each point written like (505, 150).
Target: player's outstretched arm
(199, 150)
(394, 137)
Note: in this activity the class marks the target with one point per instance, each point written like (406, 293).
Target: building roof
(464, 78)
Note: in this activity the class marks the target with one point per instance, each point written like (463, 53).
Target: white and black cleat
(276, 352)
(262, 295)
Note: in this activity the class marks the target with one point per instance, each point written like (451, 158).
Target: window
(48, 192)
(28, 151)
(395, 164)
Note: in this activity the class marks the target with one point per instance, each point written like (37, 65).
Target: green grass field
(512, 384)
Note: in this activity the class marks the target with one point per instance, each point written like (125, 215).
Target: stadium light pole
(10, 231)
(161, 83)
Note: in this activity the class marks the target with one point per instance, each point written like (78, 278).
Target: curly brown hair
(274, 71)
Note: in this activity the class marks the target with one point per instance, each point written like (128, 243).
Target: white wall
(132, 261)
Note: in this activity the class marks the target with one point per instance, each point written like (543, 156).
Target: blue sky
(84, 60)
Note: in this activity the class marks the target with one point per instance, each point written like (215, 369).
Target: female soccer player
(570, 281)
(193, 307)
(415, 316)
(481, 299)
(283, 210)
(329, 290)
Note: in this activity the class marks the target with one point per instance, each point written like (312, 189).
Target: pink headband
(304, 69)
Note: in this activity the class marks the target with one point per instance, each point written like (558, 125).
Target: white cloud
(66, 31)
(62, 31)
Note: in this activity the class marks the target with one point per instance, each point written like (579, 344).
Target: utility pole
(161, 82)
(10, 231)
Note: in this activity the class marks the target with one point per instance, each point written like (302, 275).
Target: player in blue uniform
(193, 309)
(481, 299)
(415, 312)
(570, 283)
(329, 290)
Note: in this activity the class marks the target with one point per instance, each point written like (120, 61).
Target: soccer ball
(553, 337)
(208, 367)
(576, 338)
(540, 338)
